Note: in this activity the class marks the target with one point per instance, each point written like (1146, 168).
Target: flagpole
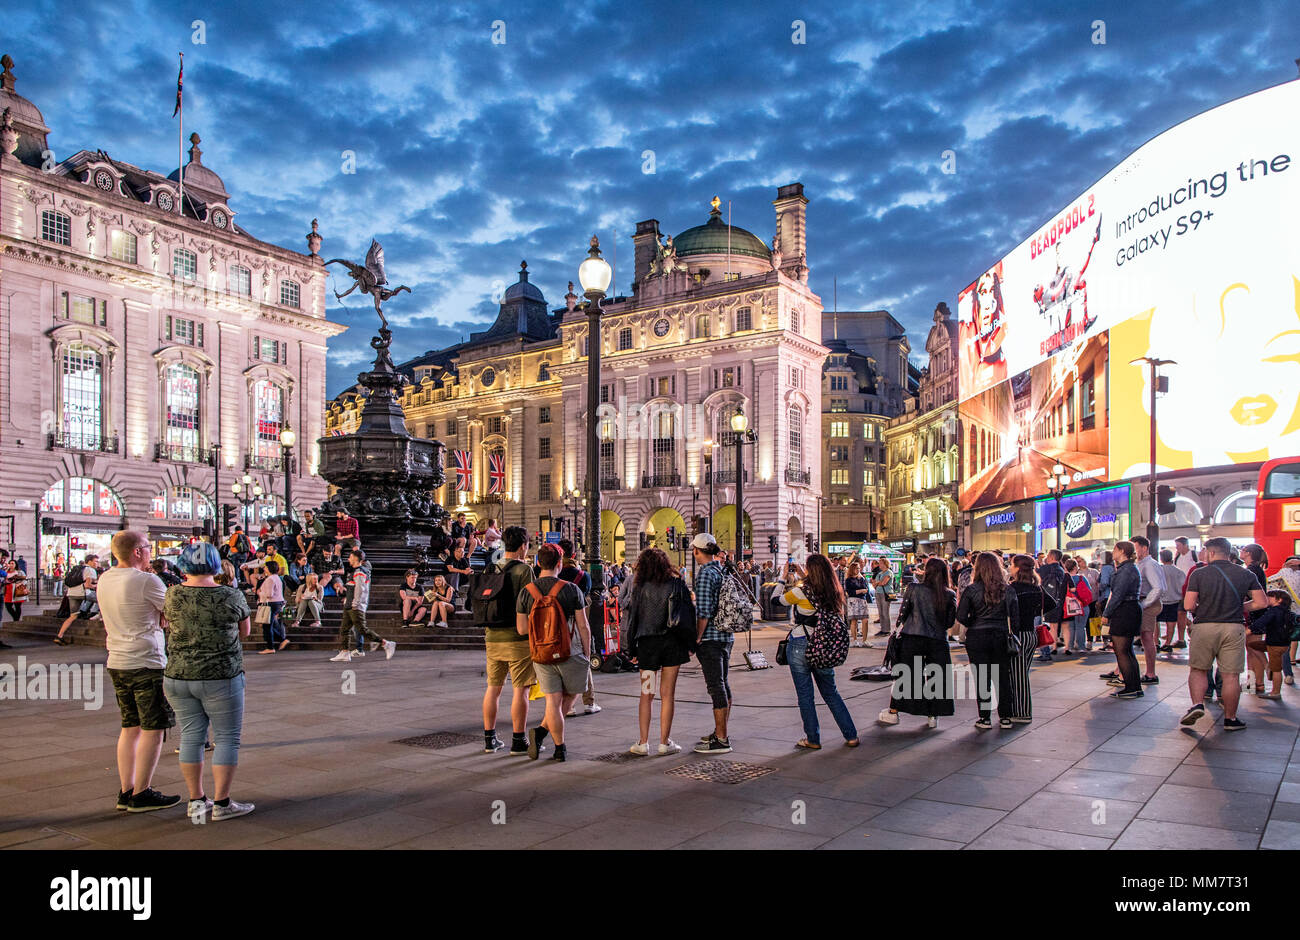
(180, 137)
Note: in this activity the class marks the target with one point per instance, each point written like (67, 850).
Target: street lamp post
(287, 440)
(594, 275)
(695, 495)
(216, 492)
(708, 475)
(740, 425)
(1057, 484)
(1159, 383)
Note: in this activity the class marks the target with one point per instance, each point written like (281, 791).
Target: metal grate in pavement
(720, 771)
(440, 739)
(617, 757)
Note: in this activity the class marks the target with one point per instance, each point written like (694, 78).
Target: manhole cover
(440, 739)
(720, 771)
(618, 757)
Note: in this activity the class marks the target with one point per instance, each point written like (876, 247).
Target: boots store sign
(1096, 516)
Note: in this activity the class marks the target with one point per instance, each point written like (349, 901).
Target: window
(181, 399)
(794, 321)
(625, 338)
(702, 326)
(868, 431)
(544, 486)
(180, 330)
(839, 383)
(1283, 480)
(239, 280)
(121, 246)
(663, 446)
(270, 350)
(1088, 402)
(840, 476)
(82, 388)
(83, 495)
(543, 448)
(795, 418)
(839, 405)
(608, 474)
(290, 294)
(726, 378)
(796, 377)
(451, 426)
(56, 227)
(494, 424)
(604, 394)
(88, 310)
(544, 372)
(544, 414)
(868, 478)
(840, 499)
(743, 320)
(839, 452)
(268, 418)
(185, 264)
(664, 385)
(839, 429)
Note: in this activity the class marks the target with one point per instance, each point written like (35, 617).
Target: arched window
(268, 420)
(544, 371)
(81, 392)
(81, 495)
(181, 404)
(1237, 508)
(795, 418)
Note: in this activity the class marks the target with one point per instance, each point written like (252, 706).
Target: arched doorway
(794, 535)
(612, 536)
(656, 530)
(724, 528)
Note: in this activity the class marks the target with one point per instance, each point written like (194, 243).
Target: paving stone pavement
(326, 772)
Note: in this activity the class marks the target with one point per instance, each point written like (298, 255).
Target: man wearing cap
(714, 651)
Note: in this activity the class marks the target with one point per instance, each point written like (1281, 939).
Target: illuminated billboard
(1188, 250)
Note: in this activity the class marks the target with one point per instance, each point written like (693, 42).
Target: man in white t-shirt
(1184, 560)
(131, 603)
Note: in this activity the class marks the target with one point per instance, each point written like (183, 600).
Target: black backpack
(75, 577)
(683, 624)
(492, 600)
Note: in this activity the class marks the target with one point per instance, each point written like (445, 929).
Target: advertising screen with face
(1188, 250)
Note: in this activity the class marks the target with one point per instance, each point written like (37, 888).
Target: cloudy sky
(473, 154)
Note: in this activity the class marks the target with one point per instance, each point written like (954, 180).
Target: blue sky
(472, 155)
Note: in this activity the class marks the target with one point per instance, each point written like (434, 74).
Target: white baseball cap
(704, 541)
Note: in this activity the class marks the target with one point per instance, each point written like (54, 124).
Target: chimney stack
(791, 214)
(645, 246)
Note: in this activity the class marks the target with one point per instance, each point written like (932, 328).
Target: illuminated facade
(144, 345)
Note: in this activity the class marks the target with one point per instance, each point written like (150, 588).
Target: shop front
(169, 541)
(1090, 520)
(1008, 529)
(938, 541)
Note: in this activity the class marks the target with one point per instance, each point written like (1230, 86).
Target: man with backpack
(1055, 586)
(713, 643)
(494, 599)
(551, 613)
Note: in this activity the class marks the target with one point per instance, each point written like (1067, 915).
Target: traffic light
(1165, 499)
(808, 542)
(697, 525)
(227, 518)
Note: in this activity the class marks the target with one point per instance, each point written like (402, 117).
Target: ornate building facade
(717, 320)
(154, 350)
(924, 453)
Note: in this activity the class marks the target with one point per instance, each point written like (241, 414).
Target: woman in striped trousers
(1024, 581)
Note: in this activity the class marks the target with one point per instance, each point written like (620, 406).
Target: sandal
(803, 743)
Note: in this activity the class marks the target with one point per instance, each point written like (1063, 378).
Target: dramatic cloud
(472, 155)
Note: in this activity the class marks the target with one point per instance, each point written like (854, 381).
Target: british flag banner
(496, 473)
(464, 471)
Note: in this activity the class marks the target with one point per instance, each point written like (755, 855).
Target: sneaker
(886, 717)
(1110, 675)
(230, 811)
(359, 653)
(641, 750)
(1005, 724)
(200, 808)
(1127, 695)
(868, 645)
(1180, 645)
(150, 800)
(1118, 682)
(672, 747)
(1273, 695)
(561, 753)
(491, 747)
(442, 624)
(519, 749)
(1150, 680)
(124, 799)
(535, 738)
(714, 745)
(389, 649)
(1192, 715)
(983, 724)
(881, 633)
(1289, 680)
(342, 656)
(1233, 724)
(591, 709)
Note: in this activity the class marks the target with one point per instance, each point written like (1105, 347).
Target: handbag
(782, 657)
(1044, 635)
(1073, 607)
(1013, 644)
(263, 614)
(20, 591)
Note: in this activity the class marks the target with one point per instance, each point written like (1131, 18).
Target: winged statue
(370, 278)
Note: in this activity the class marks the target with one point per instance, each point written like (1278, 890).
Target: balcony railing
(184, 453)
(660, 479)
(608, 484)
(269, 464)
(795, 475)
(62, 440)
(722, 477)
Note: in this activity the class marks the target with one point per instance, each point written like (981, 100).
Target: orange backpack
(548, 627)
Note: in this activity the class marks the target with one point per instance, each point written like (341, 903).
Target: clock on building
(661, 327)
(104, 180)
(164, 201)
(219, 218)
(488, 376)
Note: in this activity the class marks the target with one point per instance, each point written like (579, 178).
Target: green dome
(711, 239)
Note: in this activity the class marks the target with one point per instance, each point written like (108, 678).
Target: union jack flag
(496, 473)
(464, 470)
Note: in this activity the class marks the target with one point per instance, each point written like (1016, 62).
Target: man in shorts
(1152, 587)
(131, 602)
(1218, 596)
(562, 681)
(507, 651)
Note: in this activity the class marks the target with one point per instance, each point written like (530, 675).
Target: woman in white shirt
(310, 600)
(270, 593)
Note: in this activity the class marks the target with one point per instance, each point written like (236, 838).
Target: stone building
(716, 320)
(924, 453)
(154, 349)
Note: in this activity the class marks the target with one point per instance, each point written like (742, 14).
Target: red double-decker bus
(1277, 510)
